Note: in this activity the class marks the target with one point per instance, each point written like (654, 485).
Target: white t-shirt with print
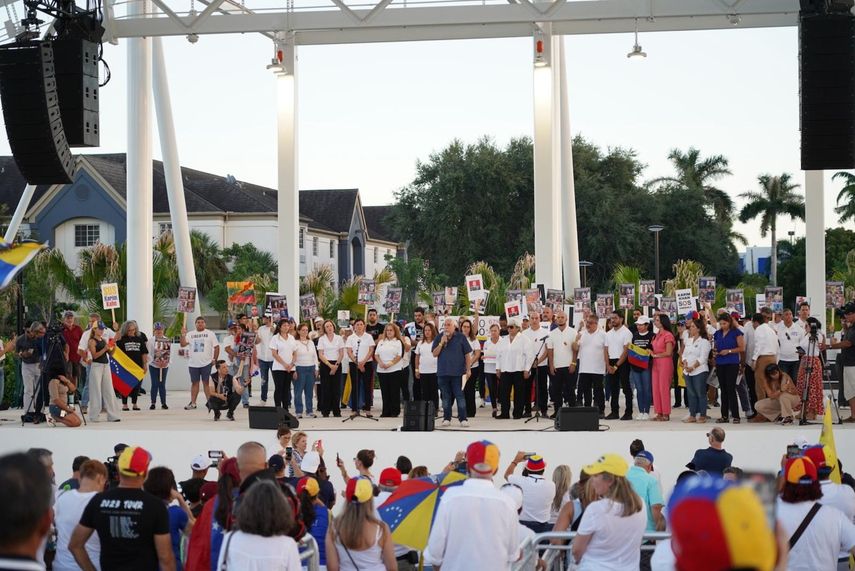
(200, 347)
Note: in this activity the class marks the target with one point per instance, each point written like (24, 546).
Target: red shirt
(72, 336)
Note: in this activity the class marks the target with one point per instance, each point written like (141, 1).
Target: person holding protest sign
(243, 354)
(331, 356)
(159, 348)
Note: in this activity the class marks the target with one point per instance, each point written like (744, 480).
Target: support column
(140, 281)
(288, 198)
(547, 207)
(20, 210)
(815, 243)
(172, 173)
(570, 232)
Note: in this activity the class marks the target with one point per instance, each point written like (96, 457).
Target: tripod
(534, 367)
(808, 368)
(357, 412)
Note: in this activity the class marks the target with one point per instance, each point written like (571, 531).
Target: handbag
(712, 379)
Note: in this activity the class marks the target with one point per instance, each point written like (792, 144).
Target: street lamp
(585, 264)
(656, 229)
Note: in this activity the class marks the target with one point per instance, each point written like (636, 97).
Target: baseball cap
(646, 454)
(276, 462)
(100, 325)
(608, 463)
(643, 320)
(390, 477)
(515, 493)
(309, 485)
(359, 490)
(158, 325)
(800, 470)
(817, 454)
(134, 461)
(514, 322)
(535, 463)
(200, 462)
(482, 457)
(319, 318)
(231, 324)
(311, 462)
(68, 314)
(716, 524)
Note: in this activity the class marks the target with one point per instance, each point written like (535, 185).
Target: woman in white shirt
(260, 543)
(696, 369)
(306, 362)
(331, 355)
(475, 367)
(491, 353)
(562, 477)
(425, 371)
(282, 349)
(389, 355)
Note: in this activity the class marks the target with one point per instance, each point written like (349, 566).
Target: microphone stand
(537, 415)
(357, 412)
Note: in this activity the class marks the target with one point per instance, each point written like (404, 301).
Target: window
(375, 254)
(332, 249)
(314, 246)
(86, 235)
(164, 227)
(301, 238)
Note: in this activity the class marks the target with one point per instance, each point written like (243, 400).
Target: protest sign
(367, 292)
(775, 298)
(581, 298)
(308, 307)
(392, 302)
(277, 305)
(475, 286)
(110, 296)
(761, 301)
(186, 299)
(647, 293)
(246, 343)
(514, 309)
(554, 299)
(706, 289)
(605, 305)
(484, 324)
(626, 296)
(533, 302)
(684, 301)
(439, 302)
(450, 297)
(481, 301)
(834, 295)
(343, 318)
(735, 301)
(668, 306)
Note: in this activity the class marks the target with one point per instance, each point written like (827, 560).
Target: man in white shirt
(265, 358)
(455, 543)
(68, 509)
(538, 333)
(838, 496)
(538, 492)
(789, 336)
(203, 353)
(593, 355)
(618, 339)
(512, 368)
(765, 352)
(560, 356)
(804, 313)
(360, 349)
(748, 332)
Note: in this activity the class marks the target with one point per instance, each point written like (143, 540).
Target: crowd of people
(259, 510)
(766, 368)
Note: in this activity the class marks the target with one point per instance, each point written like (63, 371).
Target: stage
(176, 435)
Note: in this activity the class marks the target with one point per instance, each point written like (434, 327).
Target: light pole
(585, 264)
(656, 229)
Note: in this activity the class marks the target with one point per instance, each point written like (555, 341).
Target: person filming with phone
(538, 492)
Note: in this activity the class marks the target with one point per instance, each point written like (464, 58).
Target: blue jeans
(303, 387)
(451, 388)
(696, 389)
(264, 368)
(158, 383)
(640, 381)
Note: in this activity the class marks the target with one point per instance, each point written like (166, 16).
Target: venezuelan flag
(126, 374)
(638, 356)
(14, 257)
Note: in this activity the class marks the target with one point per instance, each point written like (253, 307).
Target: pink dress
(663, 372)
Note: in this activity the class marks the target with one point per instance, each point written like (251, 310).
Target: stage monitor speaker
(578, 419)
(827, 87)
(419, 416)
(271, 418)
(76, 69)
(32, 115)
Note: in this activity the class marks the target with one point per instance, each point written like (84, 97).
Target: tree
(208, 261)
(247, 263)
(695, 174)
(846, 211)
(414, 278)
(791, 273)
(776, 198)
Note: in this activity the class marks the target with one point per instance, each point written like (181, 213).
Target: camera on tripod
(814, 330)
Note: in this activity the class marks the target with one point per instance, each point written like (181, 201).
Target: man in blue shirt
(453, 353)
(714, 459)
(647, 487)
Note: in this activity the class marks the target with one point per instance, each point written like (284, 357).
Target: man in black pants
(561, 359)
(224, 392)
(618, 340)
(538, 333)
(590, 347)
(512, 369)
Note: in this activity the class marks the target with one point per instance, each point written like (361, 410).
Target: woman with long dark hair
(696, 354)
(662, 349)
(282, 347)
(315, 515)
(160, 482)
(425, 371)
(331, 355)
(358, 540)
(729, 344)
(306, 362)
(389, 355)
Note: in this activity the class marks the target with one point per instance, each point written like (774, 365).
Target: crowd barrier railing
(553, 555)
(309, 555)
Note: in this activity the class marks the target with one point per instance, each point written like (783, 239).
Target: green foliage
(414, 277)
(247, 263)
(626, 275)
(839, 242)
(686, 276)
(697, 175)
(846, 211)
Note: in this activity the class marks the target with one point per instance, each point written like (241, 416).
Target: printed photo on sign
(555, 299)
(480, 301)
(161, 352)
(735, 301)
(475, 286)
(775, 298)
(668, 306)
(246, 344)
(513, 309)
(647, 293)
(308, 306)
(605, 305)
(706, 290)
(627, 296)
(760, 301)
(186, 299)
(532, 300)
(277, 305)
(450, 296)
(834, 295)
(343, 317)
(513, 294)
(439, 302)
(392, 303)
(581, 298)
(367, 292)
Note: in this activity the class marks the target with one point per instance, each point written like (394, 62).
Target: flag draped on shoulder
(126, 374)
(15, 257)
(826, 438)
(638, 356)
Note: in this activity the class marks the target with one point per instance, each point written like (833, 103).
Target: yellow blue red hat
(359, 490)
(535, 463)
(134, 461)
(800, 470)
(482, 457)
(717, 524)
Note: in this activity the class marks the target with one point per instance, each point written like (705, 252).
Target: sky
(369, 112)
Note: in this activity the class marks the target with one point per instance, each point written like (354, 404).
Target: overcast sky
(369, 112)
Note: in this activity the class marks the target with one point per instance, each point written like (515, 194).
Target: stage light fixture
(636, 52)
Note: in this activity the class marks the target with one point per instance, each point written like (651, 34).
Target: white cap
(643, 320)
(515, 493)
(311, 462)
(200, 462)
(514, 321)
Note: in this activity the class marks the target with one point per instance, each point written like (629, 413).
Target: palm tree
(207, 261)
(846, 211)
(776, 198)
(696, 174)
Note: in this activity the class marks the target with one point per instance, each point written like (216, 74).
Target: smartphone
(793, 451)
(288, 451)
(529, 455)
(462, 467)
(766, 486)
(216, 454)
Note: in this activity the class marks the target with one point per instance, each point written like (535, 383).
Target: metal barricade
(309, 555)
(553, 555)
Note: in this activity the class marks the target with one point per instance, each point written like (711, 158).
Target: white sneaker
(464, 423)
(446, 423)
(644, 416)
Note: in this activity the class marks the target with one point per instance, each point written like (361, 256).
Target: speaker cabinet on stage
(419, 416)
(827, 86)
(271, 418)
(578, 419)
(32, 114)
(76, 69)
